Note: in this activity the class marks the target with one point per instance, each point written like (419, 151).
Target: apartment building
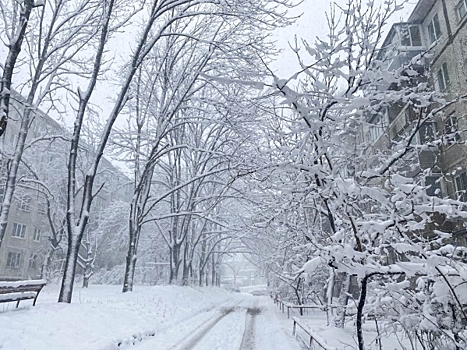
(28, 237)
(438, 27)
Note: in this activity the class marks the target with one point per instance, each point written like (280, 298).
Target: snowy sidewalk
(155, 318)
(345, 338)
(101, 317)
(248, 323)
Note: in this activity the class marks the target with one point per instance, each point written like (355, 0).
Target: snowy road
(151, 318)
(245, 323)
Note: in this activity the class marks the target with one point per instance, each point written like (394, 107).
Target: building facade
(434, 42)
(36, 223)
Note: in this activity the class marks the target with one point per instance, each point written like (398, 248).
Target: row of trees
(341, 219)
(220, 155)
(183, 140)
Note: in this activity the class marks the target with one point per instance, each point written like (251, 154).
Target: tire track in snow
(248, 340)
(192, 341)
(141, 337)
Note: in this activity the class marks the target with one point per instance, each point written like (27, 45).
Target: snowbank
(100, 317)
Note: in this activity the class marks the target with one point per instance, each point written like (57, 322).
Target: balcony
(403, 43)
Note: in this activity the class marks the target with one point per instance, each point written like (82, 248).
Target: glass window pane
(427, 132)
(462, 10)
(446, 74)
(416, 37)
(431, 33)
(461, 184)
(433, 186)
(441, 84)
(405, 38)
(437, 27)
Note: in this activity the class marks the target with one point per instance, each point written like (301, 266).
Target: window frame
(434, 29)
(427, 132)
(432, 187)
(406, 33)
(37, 234)
(459, 180)
(443, 69)
(24, 203)
(451, 129)
(33, 261)
(41, 206)
(462, 3)
(21, 233)
(13, 260)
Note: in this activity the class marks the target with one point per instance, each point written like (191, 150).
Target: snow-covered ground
(165, 317)
(346, 338)
(162, 317)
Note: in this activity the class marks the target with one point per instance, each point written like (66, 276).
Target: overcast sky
(312, 23)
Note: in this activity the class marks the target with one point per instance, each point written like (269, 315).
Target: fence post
(288, 312)
(294, 327)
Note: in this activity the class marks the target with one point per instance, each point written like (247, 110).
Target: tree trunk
(185, 272)
(175, 263)
(213, 270)
(87, 274)
(299, 297)
(361, 304)
(343, 300)
(86, 281)
(77, 220)
(66, 290)
(329, 291)
(45, 270)
(171, 266)
(10, 63)
(207, 275)
(201, 277)
(131, 257)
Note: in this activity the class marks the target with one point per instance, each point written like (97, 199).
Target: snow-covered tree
(375, 220)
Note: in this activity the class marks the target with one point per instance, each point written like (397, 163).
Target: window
(378, 126)
(33, 261)
(461, 186)
(442, 77)
(42, 206)
(19, 230)
(37, 234)
(13, 260)
(462, 9)
(427, 132)
(433, 185)
(451, 129)
(375, 132)
(411, 36)
(24, 203)
(434, 30)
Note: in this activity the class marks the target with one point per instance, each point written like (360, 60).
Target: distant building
(27, 238)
